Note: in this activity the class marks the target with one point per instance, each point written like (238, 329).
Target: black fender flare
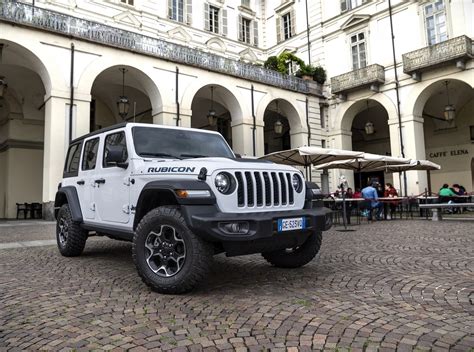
(68, 195)
(170, 187)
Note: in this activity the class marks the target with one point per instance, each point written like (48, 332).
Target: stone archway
(226, 111)
(22, 128)
(448, 142)
(113, 83)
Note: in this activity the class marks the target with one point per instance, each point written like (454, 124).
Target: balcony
(73, 27)
(457, 50)
(373, 76)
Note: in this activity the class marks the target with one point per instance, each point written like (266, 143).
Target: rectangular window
(72, 160)
(245, 30)
(358, 51)
(128, 2)
(287, 34)
(246, 3)
(347, 5)
(176, 10)
(89, 157)
(435, 19)
(114, 139)
(214, 19)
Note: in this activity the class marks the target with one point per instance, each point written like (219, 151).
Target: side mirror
(115, 154)
(238, 156)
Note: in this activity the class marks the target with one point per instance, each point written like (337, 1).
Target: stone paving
(390, 285)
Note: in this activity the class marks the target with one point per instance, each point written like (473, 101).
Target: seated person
(391, 192)
(445, 194)
(357, 193)
(370, 193)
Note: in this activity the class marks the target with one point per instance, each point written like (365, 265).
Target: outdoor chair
(22, 207)
(36, 211)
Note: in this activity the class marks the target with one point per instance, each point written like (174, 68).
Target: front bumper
(262, 235)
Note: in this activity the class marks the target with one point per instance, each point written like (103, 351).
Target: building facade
(65, 65)
(424, 110)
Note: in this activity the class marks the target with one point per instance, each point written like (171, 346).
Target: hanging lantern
(278, 127)
(369, 128)
(123, 105)
(449, 110)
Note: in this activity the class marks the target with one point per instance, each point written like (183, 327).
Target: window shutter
(293, 23)
(189, 11)
(343, 5)
(239, 30)
(170, 9)
(224, 22)
(278, 28)
(255, 33)
(207, 25)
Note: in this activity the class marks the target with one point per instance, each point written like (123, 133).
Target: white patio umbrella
(305, 156)
(413, 165)
(367, 162)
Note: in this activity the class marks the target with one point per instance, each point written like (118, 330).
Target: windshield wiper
(159, 155)
(193, 156)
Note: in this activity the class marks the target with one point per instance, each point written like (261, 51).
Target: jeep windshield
(178, 144)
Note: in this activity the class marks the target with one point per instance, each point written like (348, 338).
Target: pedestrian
(370, 193)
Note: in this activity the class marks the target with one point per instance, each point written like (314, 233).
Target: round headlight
(297, 183)
(224, 183)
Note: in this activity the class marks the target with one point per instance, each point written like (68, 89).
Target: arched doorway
(112, 84)
(212, 109)
(277, 128)
(370, 134)
(22, 119)
(448, 139)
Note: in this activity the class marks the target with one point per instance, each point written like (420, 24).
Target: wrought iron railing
(27, 15)
(373, 74)
(433, 55)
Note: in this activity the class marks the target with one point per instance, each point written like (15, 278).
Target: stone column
(414, 148)
(242, 138)
(167, 116)
(56, 139)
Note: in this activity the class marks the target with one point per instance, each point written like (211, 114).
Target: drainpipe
(254, 121)
(307, 33)
(71, 100)
(309, 131)
(397, 84)
(177, 97)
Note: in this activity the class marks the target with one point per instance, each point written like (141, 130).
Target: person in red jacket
(391, 192)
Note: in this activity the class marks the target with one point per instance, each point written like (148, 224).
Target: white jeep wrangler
(181, 196)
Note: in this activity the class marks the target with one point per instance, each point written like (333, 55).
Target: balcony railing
(370, 75)
(459, 48)
(27, 15)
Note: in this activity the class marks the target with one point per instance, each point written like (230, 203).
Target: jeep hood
(193, 166)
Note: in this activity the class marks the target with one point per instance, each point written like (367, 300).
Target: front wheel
(297, 256)
(169, 257)
(71, 238)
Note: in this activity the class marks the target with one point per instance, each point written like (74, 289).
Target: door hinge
(92, 207)
(126, 209)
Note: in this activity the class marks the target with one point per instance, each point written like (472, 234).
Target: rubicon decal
(176, 169)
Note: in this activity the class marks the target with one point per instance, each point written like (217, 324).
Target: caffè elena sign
(445, 153)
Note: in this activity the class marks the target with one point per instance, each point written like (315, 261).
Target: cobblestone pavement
(396, 285)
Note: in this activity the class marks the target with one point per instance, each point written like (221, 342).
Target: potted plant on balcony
(315, 73)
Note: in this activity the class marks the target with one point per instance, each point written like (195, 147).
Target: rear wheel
(71, 238)
(297, 256)
(169, 257)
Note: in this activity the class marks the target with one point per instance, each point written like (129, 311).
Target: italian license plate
(291, 224)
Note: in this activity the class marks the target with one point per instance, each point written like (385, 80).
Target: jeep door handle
(81, 182)
(99, 181)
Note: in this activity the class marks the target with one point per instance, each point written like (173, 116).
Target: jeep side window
(114, 139)
(89, 156)
(72, 161)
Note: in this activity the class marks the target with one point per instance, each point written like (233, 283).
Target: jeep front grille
(264, 189)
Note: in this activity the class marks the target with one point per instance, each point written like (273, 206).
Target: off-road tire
(198, 253)
(298, 256)
(74, 242)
